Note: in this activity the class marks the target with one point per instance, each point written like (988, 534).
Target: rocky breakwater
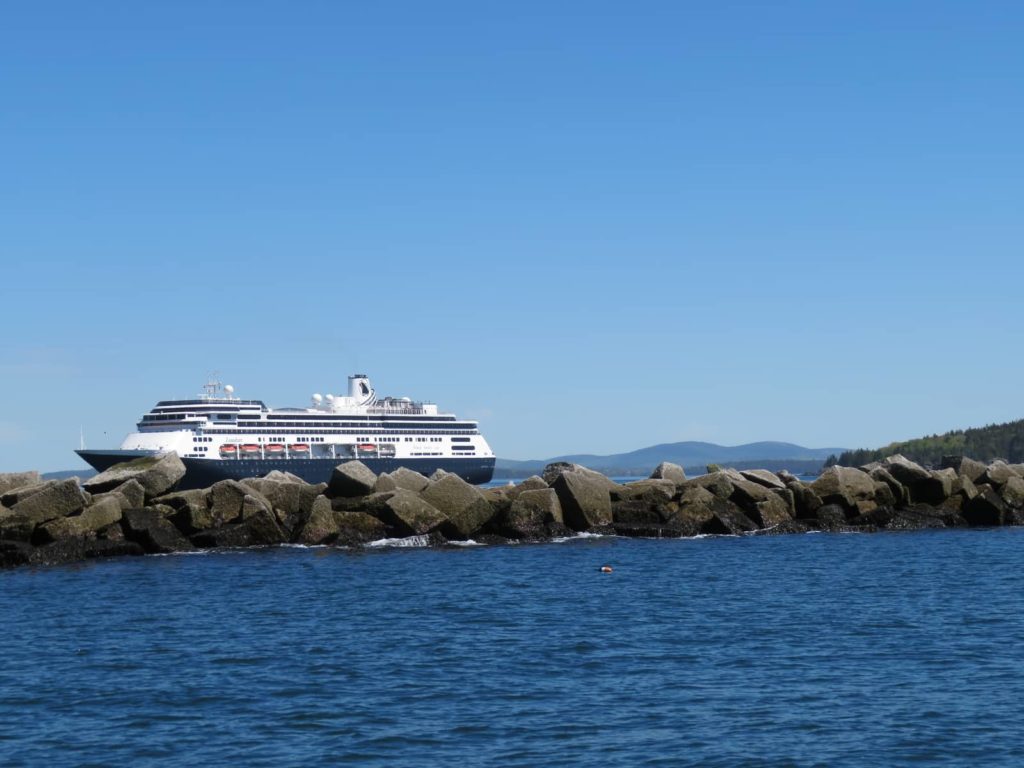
(134, 508)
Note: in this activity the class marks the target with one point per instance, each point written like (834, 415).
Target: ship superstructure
(218, 435)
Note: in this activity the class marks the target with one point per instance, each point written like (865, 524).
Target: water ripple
(722, 651)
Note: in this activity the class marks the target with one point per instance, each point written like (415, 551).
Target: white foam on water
(408, 541)
(578, 537)
(466, 543)
(198, 552)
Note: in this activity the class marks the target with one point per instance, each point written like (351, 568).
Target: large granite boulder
(703, 512)
(934, 489)
(353, 478)
(719, 483)
(191, 510)
(985, 509)
(290, 501)
(966, 488)
(831, 517)
(463, 504)
(259, 528)
(530, 514)
(649, 490)
(900, 493)
(131, 494)
(964, 466)
(585, 498)
(403, 477)
(763, 477)
(555, 468)
(152, 531)
(12, 480)
(998, 473)
(156, 474)
(532, 483)
(254, 505)
(638, 512)
(357, 528)
(694, 508)
(728, 520)
(845, 486)
(320, 526)
(1012, 492)
(884, 497)
(103, 512)
(409, 515)
(231, 500)
(277, 476)
(788, 499)
(51, 501)
(746, 493)
(226, 498)
(806, 502)
(904, 470)
(14, 495)
(669, 471)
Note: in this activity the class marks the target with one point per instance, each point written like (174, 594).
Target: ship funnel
(360, 391)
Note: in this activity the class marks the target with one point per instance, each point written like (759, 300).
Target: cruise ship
(219, 436)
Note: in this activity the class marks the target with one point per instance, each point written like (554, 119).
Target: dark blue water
(887, 649)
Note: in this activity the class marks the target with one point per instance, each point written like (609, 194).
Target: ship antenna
(212, 385)
(81, 436)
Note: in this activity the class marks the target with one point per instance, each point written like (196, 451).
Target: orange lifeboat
(250, 448)
(274, 448)
(229, 450)
(298, 448)
(367, 447)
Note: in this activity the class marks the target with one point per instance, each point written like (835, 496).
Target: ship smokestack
(359, 389)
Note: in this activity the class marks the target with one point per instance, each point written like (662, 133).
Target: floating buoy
(606, 569)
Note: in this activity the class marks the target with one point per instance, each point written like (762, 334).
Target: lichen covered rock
(156, 474)
(584, 497)
(353, 478)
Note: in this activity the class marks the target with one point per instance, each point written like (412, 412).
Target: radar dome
(317, 397)
(330, 398)
(229, 389)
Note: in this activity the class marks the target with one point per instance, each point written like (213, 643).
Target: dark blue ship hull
(201, 473)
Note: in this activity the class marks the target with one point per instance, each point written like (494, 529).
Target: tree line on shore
(995, 441)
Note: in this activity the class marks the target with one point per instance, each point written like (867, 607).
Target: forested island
(996, 441)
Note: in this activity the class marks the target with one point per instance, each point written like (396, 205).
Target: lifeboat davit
(250, 448)
(274, 448)
(298, 448)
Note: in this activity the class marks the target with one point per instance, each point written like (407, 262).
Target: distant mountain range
(694, 456)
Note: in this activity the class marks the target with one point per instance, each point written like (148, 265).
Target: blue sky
(593, 226)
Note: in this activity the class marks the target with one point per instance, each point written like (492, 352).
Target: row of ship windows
(305, 423)
(284, 432)
(363, 438)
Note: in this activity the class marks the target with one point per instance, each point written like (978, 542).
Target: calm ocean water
(886, 649)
